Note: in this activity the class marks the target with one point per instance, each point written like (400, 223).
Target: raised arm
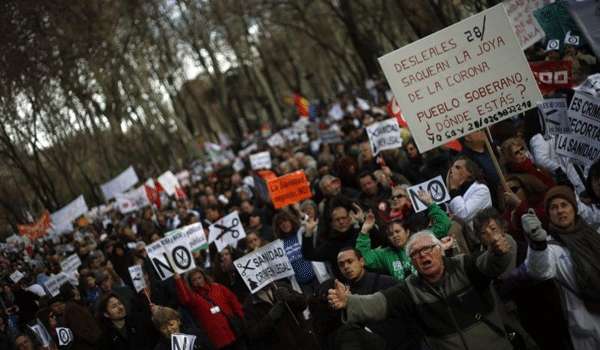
(540, 261)
(373, 257)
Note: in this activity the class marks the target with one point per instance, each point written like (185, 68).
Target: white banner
(133, 200)
(169, 182)
(461, 79)
(526, 27)
(436, 188)
(16, 276)
(261, 160)
(264, 265)
(583, 144)
(65, 336)
(227, 231)
(119, 184)
(171, 254)
(384, 135)
(137, 277)
(591, 85)
(182, 341)
(63, 218)
(195, 234)
(554, 112)
(276, 140)
(54, 282)
(70, 264)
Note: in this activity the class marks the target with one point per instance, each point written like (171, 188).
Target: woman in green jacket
(394, 259)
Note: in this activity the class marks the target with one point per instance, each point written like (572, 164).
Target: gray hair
(415, 236)
(325, 179)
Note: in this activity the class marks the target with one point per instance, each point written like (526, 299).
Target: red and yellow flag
(37, 229)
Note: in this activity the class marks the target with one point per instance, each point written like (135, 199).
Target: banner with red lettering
(552, 75)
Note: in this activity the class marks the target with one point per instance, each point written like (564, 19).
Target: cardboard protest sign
(62, 219)
(16, 276)
(526, 27)
(264, 265)
(70, 264)
(461, 79)
(289, 189)
(37, 229)
(436, 188)
(137, 277)
(552, 75)
(227, 231)
(195, 234)
(583, 144)
(169, 182)
(586, 15)
(329, 137)
(384, 135)
(119, 184)
(261, 160)
(132, 200)
(554, 112)
(170, 255)
(182, 341)
(276, 140)
(64, 335)
(41, 333)
(54, 283)
(238, 165)
(591, 85)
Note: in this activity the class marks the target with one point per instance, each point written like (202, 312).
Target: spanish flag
(302, 105)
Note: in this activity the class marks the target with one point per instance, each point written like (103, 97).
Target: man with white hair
(450, 298)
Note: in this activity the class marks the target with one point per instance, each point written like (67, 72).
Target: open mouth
(426, 264)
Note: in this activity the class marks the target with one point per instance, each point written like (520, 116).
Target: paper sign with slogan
(436, 188)
(276, 140)
(54, 283)
(70, 264)
(384, 135)
(65, 336)
(526, 27)
(264, 265)
(137, 277)
(461, 79)
(289, 189)
(119, 184)
(261, 160)
(171, 254)
(195, 234)
(182, 341)
(329, 137)
(41, 333)
(554, 112)
(227, 231)
(16, 276)
(169, 182)
(583, 144)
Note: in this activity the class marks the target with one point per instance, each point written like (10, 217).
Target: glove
(533, 227)
(276, 311)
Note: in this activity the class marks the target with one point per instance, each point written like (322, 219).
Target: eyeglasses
(519, 151)
(397, 197)
(423, 251)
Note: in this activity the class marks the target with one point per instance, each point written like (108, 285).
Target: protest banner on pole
(121, 183)
(137, 277)
(261, 160)
(226, 231)
(54, 282)
(62, 219)
(169, 182)
(525, 25)
(436, 188)
(64, 335)
(70, 264)
(554, 112)
(264, 265)
(171, 255)
(552, 75)
(461, 79)
(384, 135)
(37, 229)
(132, 200)
(16, 276)
(289, 189)
(181, 341)
(583, 144)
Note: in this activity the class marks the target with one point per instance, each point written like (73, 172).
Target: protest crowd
(334, 232)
